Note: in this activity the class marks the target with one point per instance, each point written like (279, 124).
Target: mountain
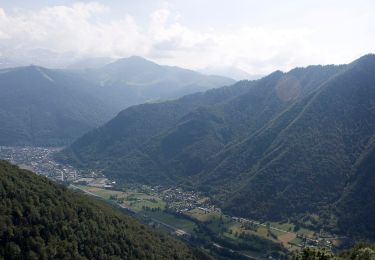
(40, 219)
(46, 107)
(135, 80)
(132, 127)
(291, 145)
(230, 72)
(40, 107)
(357, 203)
(303, 160)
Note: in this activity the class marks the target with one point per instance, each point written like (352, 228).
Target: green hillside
(134, 126)
(45, 107)
(307, 154)
(42, 220)
(292, 145)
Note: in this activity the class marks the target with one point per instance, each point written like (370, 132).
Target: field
(279, 232)
(203, 215)
(283, 226)
(139, 201)
(148, 204)
(296, 241)
(104, 193)
(175, 221)
(136, 201)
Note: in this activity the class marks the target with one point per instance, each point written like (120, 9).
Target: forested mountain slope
(134, 126)
(40, 219)
(303, 159)
(44, 107)
(357, 203)
(291, 145)
(164, 131)
(47, 107)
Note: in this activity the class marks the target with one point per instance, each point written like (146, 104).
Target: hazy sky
(256, 36)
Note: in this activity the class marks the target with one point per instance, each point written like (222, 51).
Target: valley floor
(187, 214)
(184, 211)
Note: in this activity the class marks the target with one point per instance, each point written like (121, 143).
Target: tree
(310, 253)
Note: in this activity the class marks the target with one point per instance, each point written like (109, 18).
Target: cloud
(88, 30)
(70, 29)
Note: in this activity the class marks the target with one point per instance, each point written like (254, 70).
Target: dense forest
(291, 145)
(42, 220)
(360, 251)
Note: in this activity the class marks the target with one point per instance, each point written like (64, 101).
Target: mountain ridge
(258, 152)
(53, 107)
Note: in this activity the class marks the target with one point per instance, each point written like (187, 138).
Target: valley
(234, 182)
(257, 153)
(192, 130)
(190, 215)
(183, 212)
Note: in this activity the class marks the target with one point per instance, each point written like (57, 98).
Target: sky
(255, 36)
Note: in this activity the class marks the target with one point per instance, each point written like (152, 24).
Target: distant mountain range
(231, 72)
(41, 219)
(136, 80)
(294, 145)
(44, 107)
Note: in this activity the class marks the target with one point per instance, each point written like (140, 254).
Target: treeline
(361, 251)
